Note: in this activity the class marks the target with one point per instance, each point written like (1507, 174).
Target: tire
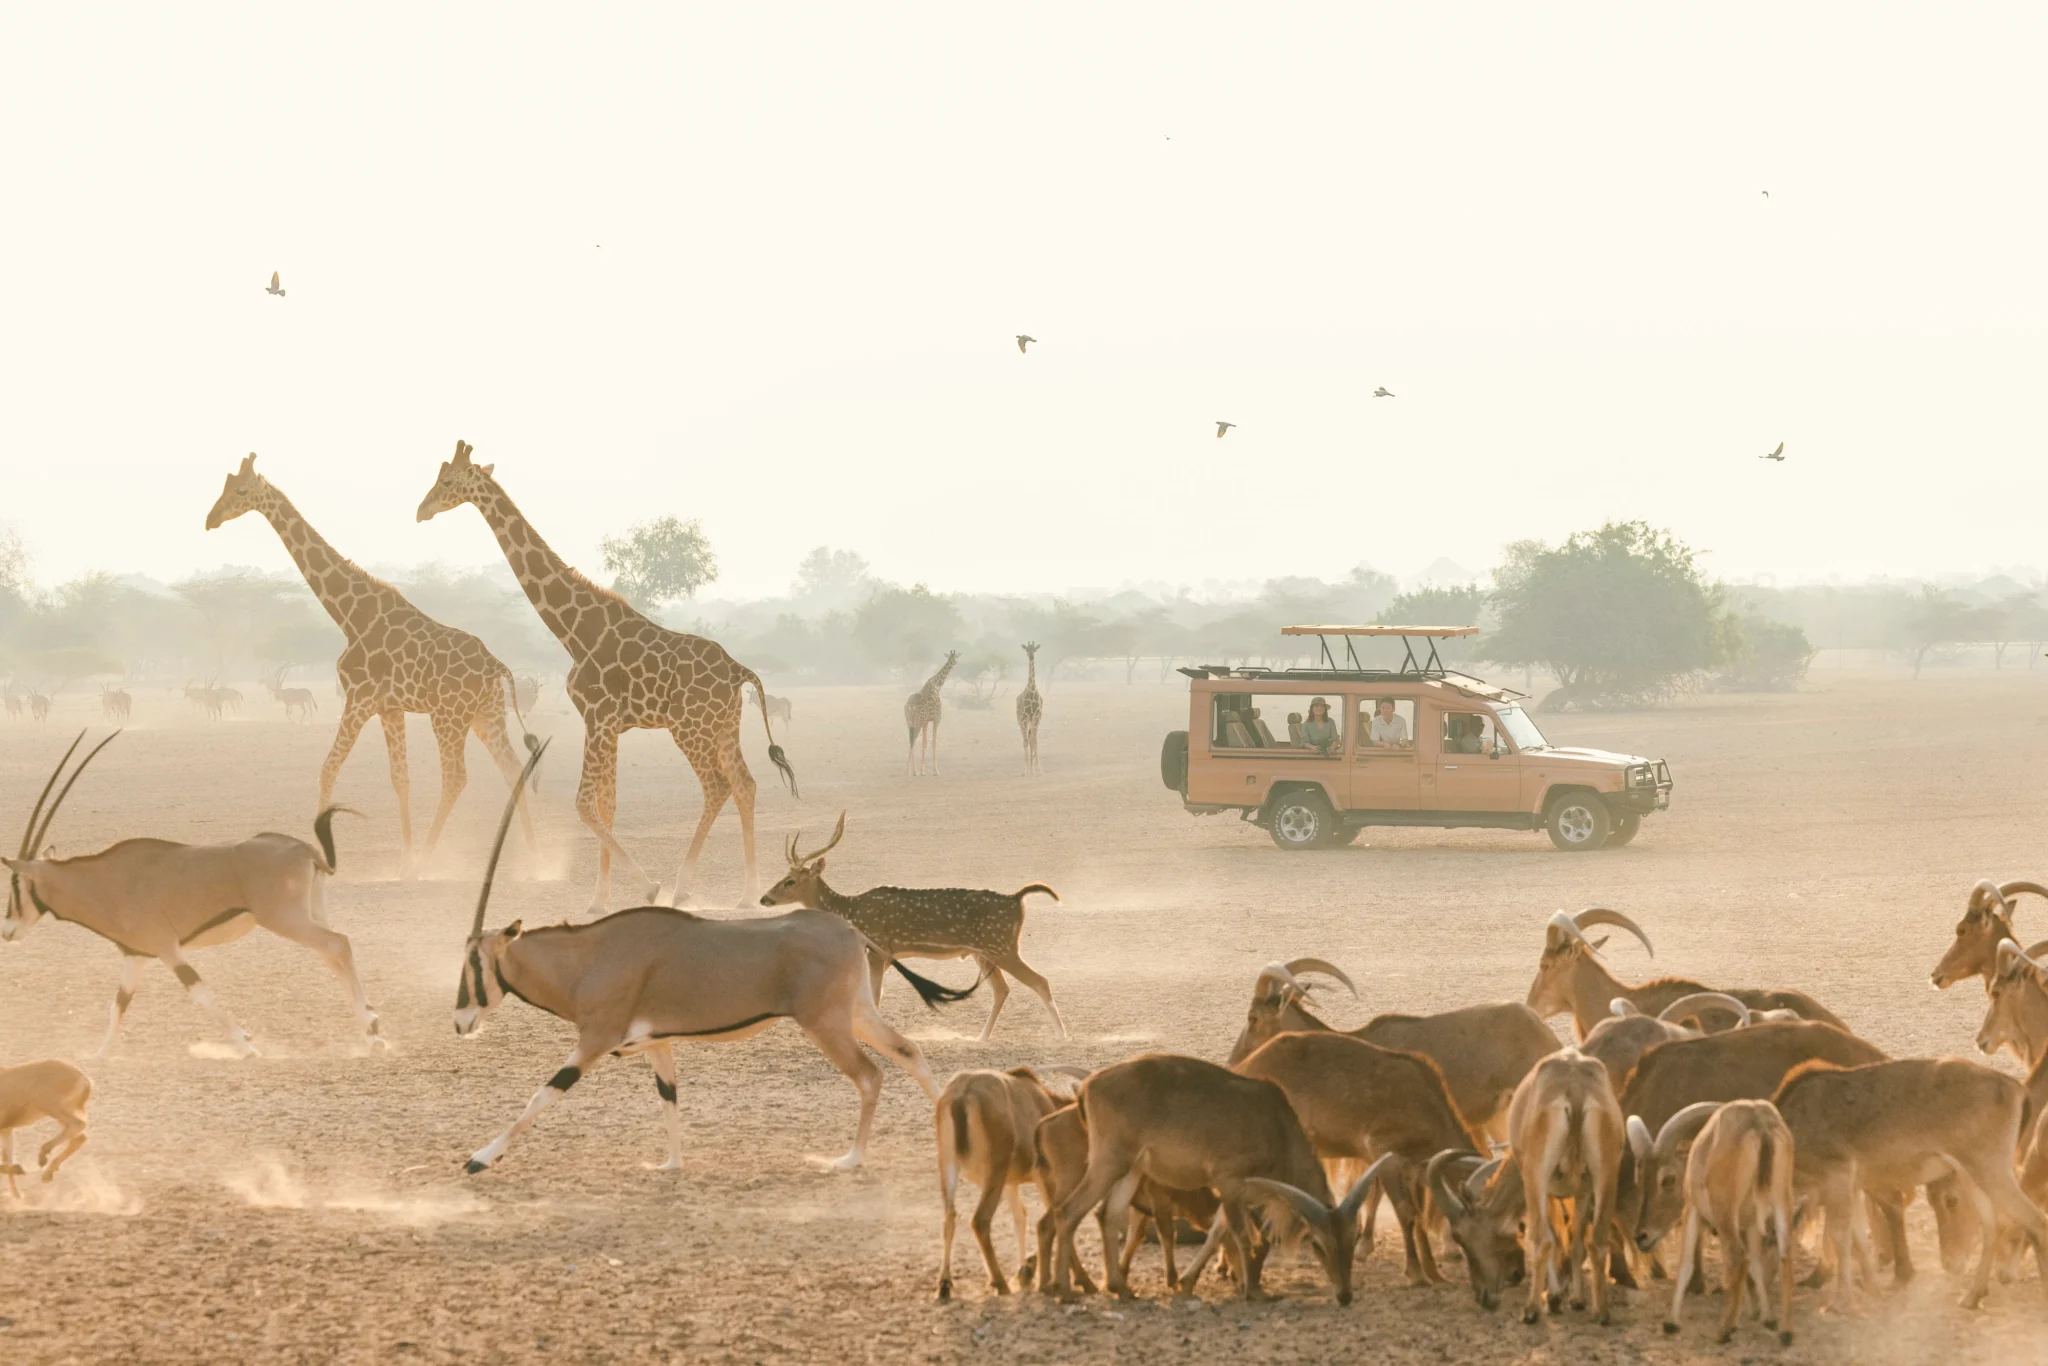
(1173, 761)
(1578, 822)
(1302, 820)
(1625, 828)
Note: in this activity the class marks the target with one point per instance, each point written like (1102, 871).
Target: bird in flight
(1383, 392)
(1024, 341)
(275, 287)
(1778, 454)
(1767, 194)
(1223, 427)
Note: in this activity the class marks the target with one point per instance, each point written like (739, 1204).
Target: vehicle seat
(1234, 734)
(1294, 729)
(1265, 735)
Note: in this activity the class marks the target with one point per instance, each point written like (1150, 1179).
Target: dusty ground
(308, 1206)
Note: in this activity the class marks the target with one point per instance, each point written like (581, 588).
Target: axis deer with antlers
(924, 922)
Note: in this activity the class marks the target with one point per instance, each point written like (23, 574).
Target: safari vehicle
(1415, 745)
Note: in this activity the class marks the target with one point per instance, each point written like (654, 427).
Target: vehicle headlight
(1640, 776)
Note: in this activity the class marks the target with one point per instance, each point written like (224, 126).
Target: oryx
(155, 898)
(639, 980)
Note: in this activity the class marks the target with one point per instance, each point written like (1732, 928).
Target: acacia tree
(907, 628)
(660, 561)
(1620, 615)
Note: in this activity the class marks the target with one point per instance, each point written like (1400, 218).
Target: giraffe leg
(450, 735)
(711, 775)
(393, 722)
(596, 800)
(742, 783)
(354, 717)
(933, 767)
(490, 728)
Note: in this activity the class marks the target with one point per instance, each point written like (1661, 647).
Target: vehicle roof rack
(1429, 667)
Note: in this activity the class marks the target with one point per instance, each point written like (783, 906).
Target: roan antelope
(156, 899)
(1483, 1051)
(924, 922)
(36, 1091)
(638, 980)
(1572, 978)
(1987, 919)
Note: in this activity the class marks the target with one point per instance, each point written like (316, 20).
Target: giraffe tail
(775, 754)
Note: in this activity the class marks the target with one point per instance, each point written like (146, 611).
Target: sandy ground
(308, 1205)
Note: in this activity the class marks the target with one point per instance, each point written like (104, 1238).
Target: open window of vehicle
(1469, 732)
(1386, 723)
(1276, 722)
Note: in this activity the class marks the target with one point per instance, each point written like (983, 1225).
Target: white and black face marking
(478, 991)
(24, 908)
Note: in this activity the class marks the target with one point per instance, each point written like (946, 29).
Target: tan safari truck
(1415, 745)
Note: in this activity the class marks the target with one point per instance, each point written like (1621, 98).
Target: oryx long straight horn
(28, 835)
(483, 896)
(36, 842)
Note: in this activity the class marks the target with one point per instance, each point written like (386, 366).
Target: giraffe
(921, 714)
(626, 673)
(398, 660)
(1030, 707)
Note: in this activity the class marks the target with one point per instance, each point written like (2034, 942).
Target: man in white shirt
(1389, 728)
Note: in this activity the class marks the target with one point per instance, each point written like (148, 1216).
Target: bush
(1771, 657)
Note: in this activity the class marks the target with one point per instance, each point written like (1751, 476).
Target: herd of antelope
(1752, 1114)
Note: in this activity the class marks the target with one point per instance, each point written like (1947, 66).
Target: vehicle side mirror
(1498, 748)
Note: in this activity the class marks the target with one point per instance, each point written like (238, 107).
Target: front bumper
(1646, 788)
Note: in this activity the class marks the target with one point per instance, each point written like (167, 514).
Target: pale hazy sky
(1542, 227)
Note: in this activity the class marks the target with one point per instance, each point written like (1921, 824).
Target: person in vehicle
(1466, 735)
(1319, 731)
(1389, 727)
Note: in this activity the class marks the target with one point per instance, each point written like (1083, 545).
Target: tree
(1620, 615)
(829, 573)
(1436, 607)
(660, 561)
(1936, 620)
(1770, 656)
(906, 628)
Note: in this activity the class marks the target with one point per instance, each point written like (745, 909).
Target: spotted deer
(925, 922)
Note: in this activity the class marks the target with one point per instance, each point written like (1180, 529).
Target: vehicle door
(1385, 771)
(1255, 741)
(1475, 769)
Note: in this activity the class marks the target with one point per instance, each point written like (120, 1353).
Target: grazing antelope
(636, 981)
(987, 1125)
(1738, 1181)
(1566, 1127)
(1892, 1126)
(115, 703)
(1571, 977)
(924, 922)
(1483, 1051)
(1185, 1123)
(1484, 1213)
(156, 899)
(37, 1091)
(1987, 919)
(1356, 1100)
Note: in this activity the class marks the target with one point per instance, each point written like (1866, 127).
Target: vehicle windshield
(1520, 728)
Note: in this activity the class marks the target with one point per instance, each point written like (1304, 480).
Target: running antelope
(924, 922)
(157, 899)
(1572, 978)
(1987, 919)
(1484, 1051)
(638, 980)
(37, 1091)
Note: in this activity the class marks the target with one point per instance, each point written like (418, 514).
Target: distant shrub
(1770, 656)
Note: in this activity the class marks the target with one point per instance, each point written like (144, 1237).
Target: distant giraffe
(398, 660)
(921, 715)
(1030, 707)
(626, 673)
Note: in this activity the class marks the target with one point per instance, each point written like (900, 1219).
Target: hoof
(1670, 1327)
(1785, 1338)
(1555, 1303)
(945, 1290)
(472, 1167)
(1532, 1316)
(999, 1287)
(1724, 1338)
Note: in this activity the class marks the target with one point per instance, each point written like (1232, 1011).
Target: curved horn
(2036, 952)
(1481, 1178)
(1640, 1140)
(28, 836)
(838, 833)
(1691, 1005)
(65, 790)
(2008, 890)
(1561, 927)
(1328, 969)
(1684, 1126)
(1063, 1069)
(1277, 972)
(1986, 894)
(483, 896)
(1347, 1208)
(1621, 1007)
(1596, 915)
(1451, 1202)
(1300, 1201)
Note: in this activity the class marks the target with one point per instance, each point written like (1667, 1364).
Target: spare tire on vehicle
(1173, 761)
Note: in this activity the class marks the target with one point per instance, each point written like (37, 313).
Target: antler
(797, 860)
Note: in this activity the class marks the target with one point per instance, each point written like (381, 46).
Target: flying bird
(1778, 454)
(1383, 392)
(1024, 341)
(275, 287)
(1767, 194)
(1223, 427)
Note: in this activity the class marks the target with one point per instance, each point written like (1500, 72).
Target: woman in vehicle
(1319, 731)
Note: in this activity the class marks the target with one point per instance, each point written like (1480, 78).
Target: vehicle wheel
(1173, 761)
(1302, 820)
(1578, 822)
(1625, 828)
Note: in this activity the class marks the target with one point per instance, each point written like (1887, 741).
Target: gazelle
(156, 899)
(638, 980)
(37, 1091)
(924, 922)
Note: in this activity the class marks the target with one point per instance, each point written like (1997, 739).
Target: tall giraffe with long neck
(921, 714)
(397, 660)
(1030, 708)
(626, 673)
